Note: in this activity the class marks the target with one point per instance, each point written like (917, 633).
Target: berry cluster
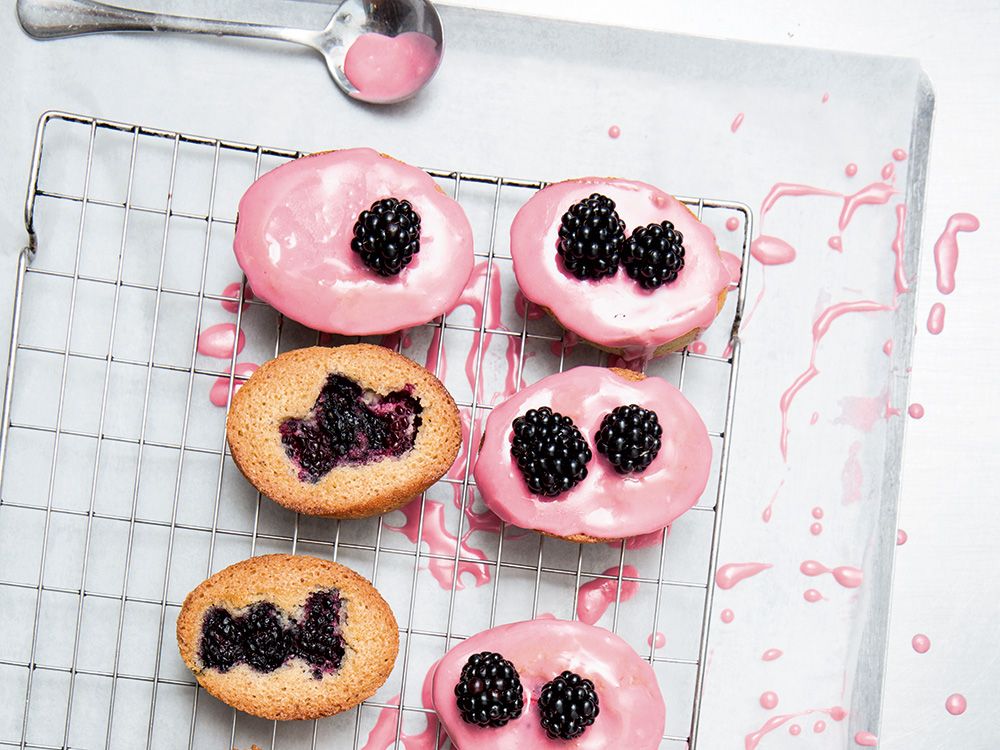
(592, 244)
(387, 236)
(630, 438)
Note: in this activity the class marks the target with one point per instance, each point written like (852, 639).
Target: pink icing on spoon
(293, 242)
(866, 739)
(615, 312)
(771, 251)
(605, 505)
(730, 574)
(632, 711)
(387, 69)
(946, 249)
(596, 596)
(219, 341)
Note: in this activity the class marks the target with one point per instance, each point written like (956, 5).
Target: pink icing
(899, 154)
(836, 243)
(772, 653)
(596, 596)
(732, 223)
(887, 347)
(851, 169)
(752, 740)
(293, 241)
(730, 574)
(632, 711)
(387, 69)
(956, 704)
(734, 267)
(898, 248)
(615, 312)
(901, 537)
(916, 411)
(816, 528)
(826, 97)
(606, 505)
(698, 347)
(946, 249)
(727, 616)
(888, 171)
(819, 727)
(219, 341)
(865, 739)
(847, 576)
(921, 643)
(233, 290)
(219, 394)
(657, 640)
(772, 251)
(935, 319)
(812, 596)
(795, 730)
(614, 132)
(817, 512)
(737, 121)
(769, 700)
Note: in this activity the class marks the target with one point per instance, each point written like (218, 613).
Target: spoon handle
(55, 19)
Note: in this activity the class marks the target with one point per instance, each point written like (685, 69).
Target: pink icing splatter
(737, 121)
(390, 68)
(526, 309)
(772, 251)
(219, 340)
(888, 171)
(383, 734)
(698, 347)
(819, 727)
(614, 132)
(814, 418)
(901, 537)
(835, 243)
(219, 394)
(916, 411)
(768, 700)
(817, 512)
(887, 347)
(865, 739)
(732, 223)
(876, 194)
(946, 249)
(852, 478)
(899, 154)
(851, 169)
(826, 97)
(956, 704)
(846, 575)
(816, 529)
(596, 596)
(233, 290)
(795, 730)
(727, 616)
(730, 574)
(752, 740)
(772, 653)
(935, 318)
(812, 596)
(657, 640)
(898, 249)
(766, 515)
(921, 643)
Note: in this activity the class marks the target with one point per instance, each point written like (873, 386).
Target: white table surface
(946, 584)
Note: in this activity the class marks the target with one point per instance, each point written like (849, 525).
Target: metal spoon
(55, 19)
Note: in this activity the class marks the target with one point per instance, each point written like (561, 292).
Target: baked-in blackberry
(591, 236)
(318, 637)
(550, 451)
(654, 254)
(630, 438)
(568, 705)
(489, 693)
(267, 642)
(220, 646)
(387, 236)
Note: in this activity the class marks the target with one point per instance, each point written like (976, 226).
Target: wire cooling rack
(118, 494)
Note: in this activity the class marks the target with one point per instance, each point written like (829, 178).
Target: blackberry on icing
(654, 254)
(489, 693)
(550, 451)
(590, 238)
(629, 437)
(387, 236)
(568, 705)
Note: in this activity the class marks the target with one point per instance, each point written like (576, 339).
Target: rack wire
(77, 570)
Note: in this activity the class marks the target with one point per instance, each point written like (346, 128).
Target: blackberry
(550, 451)
(489, 692)
(221, 646)
(568, 705)
(654, 254)
(318, 638)
(591, 236)
(630, 438)
(387, 236)
(267, 643)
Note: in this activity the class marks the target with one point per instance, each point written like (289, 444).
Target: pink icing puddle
(388, 69)
(526, 309)
(596, 596)
(887, 347)
(956, 704)
(614, 132)
(946, 249)
(814, 418)
(772, 653)
(866, 739)
(218, 341)
(233, 290)
(219, 395)
(657, 640)
(852, 477)
(899, 274)
(826, 97)
(816, 529)
(383, 734)
(768, 700)
(737, 121)
(733, 264)
(732, 223)
(812, 596)
(899, 154)
(916, 411)
(901, 537)
(921, 643)
(795, 730)
(772, 251)
(819, 727)
(888, 171)
(699, 347)
(752, 740)
(727, 616)
(935, 318)
(851, 169)
(845, 575)
(820, 328)
(817, 512)
(836, 243)
(730, 574)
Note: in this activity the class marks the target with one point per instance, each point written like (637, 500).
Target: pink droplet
(795, 730)
(812, 596)
(657, 639)
(836, 243)
(816, 529)
(732, 223)
(219, 393)
(817, 512)
(769, 700)
(935, 318)
(819, 727)
(772, 653)
(737, 121)
(888, 171)
(865, 739)
(233, 290)
(887, 347)
(899, 154)
(956, 704)
(218, 341)
(814, 418)
(901, 537)
(614, 131)
(837, 713)
(826, 97)
(699, 347)
(916, 411)
(851, 169)
(727, 616)
(921, 643)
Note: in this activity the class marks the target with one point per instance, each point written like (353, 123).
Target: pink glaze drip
(632, 711)
(656, 640)
(525, 309)
(812, 596)
(772, 653)
(771, 251)
(698, 347)
(233, 290)
(615, 312)
(899, 154)
(737, 121)
(387, 69)
(730, 574)
(752, 740)
(727, 616)
(614, 132)
(219, 394)
(769, 700)
(876, 194)
(383, 734)
(795, 730)
(293, 241)
(956, 704)
(888, 171)
(821, 326)
(921, 643)
(734, 267)
(916, 411)
(819, 727)
(851, 169)
(866, 739)
(946, 249)
(887, 347)
(847, 576)
(901, 537)
(816, 528)
(835, 243)
(789, 189)
(766, 515)
(935, 319)
(852, 478)
(817, 512)
(732, 223)
(596, 596)
(826, 97)
(643, 541)
(605, 505)
(397, 340)
(898, 248)
(219, 341)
